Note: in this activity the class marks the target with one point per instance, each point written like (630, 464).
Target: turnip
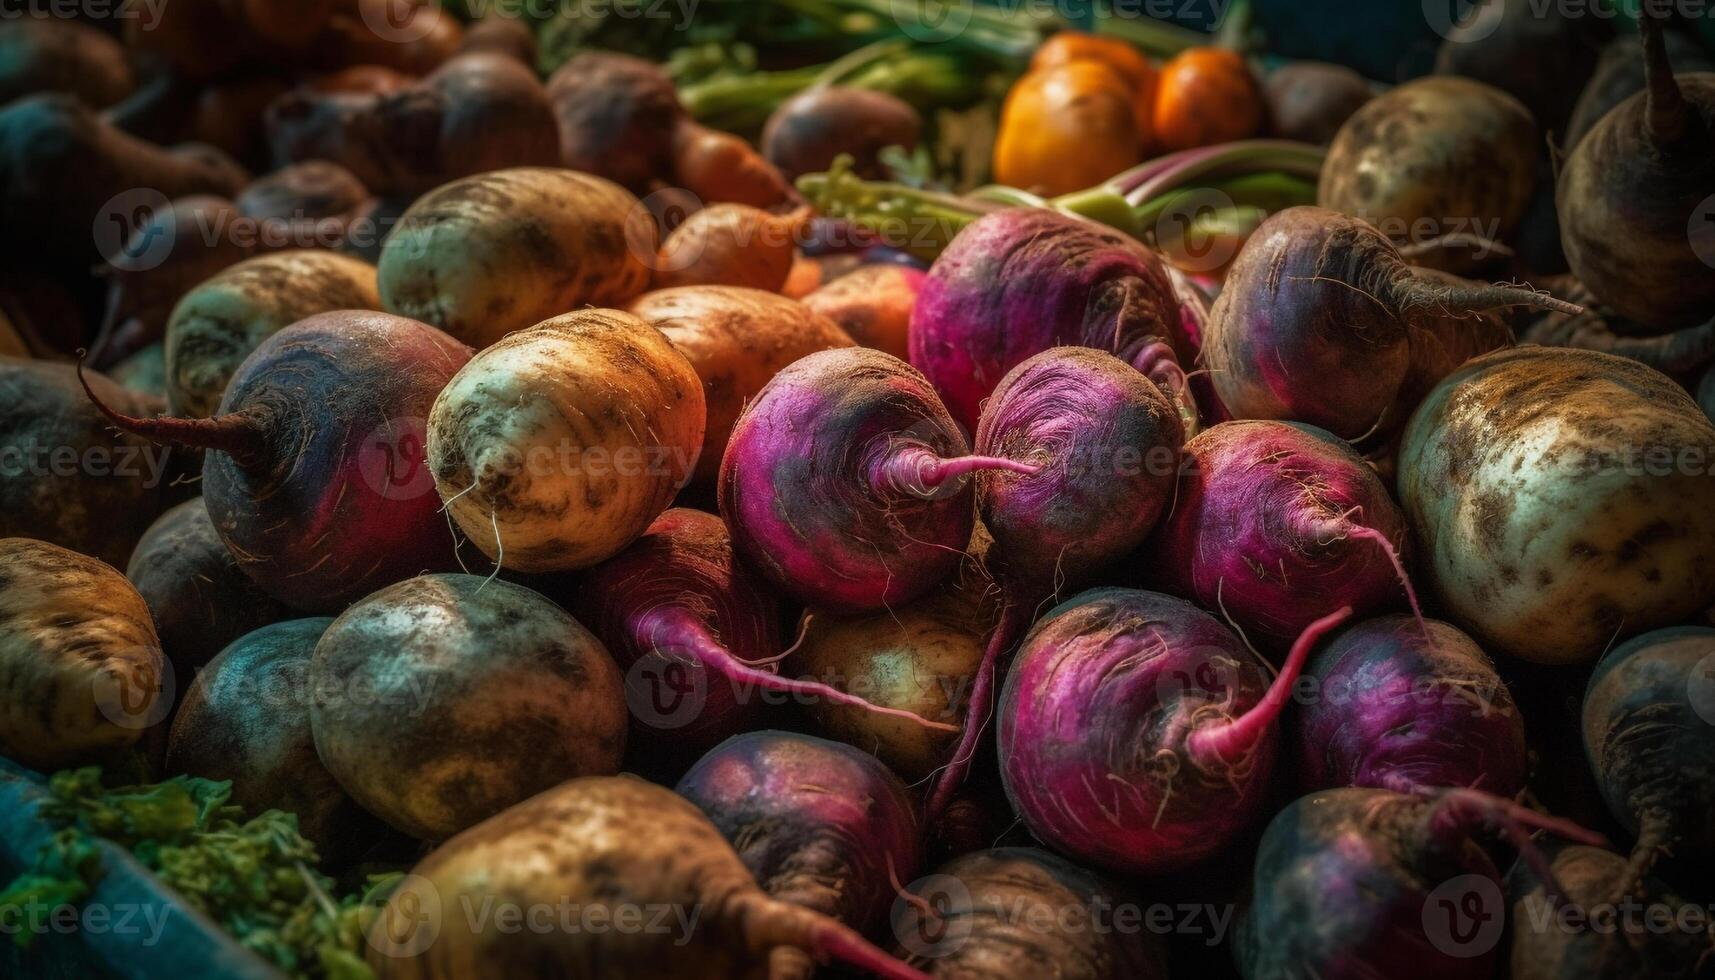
(1403, 163)
(80, 668)
(618, 850)
(556, 446)
(737, 339)
(819, 824)
(196, 589)
(1561, 498)
(1354, 883)
(314, 477)
(65, 475)
(1599, 931)
(846, 483)
(921, 658)
(1630, 187)
(1022, 912)
(1104, 442)
(1620, 75)
(1276, 525)
(872, 304)
(444, 699)
(247, 719)
(220, 322)
(315, 203)
(1137, 733)
(487, 255)
(1019, 281)
(1408, 705)
(1316, 294)
(1649, 732)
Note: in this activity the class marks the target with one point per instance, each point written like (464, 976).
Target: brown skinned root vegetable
(65, 475)
(44, 54)
(737, 340)
(717, 166)
(478, 112)
(177, 248)
(1316, 294)
(611, 847)
(488, 255)
(873, 304)
(63, 170)
(197, 593)
(1022, 912)
(808, 131)
(1679, 354)
(555, 448)
(1629, 189)
(1561, 500)
(218, 324)
(1309, 101)
(731, 245)
(311, 204)
(1434, 157)
(821, 825)
(313, 475)
(1570, 940)
(919, 658)
(501, 34)
(444, 699)
(81, 665)
(247, 719)
(617, 115)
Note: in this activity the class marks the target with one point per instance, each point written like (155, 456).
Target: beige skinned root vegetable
(220, 322)
(737, 339)
(1562, 498)
(487, 255)
(80, 667)
(731, 245)
(556, 447)
(444, 699)
(617, 849)
(1435, 157)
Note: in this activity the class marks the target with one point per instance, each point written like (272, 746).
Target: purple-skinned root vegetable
(1633, 195)
(696, 634)
(1570, 940)
(819, 824)
(1105, 441)
(1019, 281)
(197, 591)
(1366, 883)
(444, 699)
(1323, 322)
(1138, 734)
(846, 483)
(1402, 704)
(1018, 912)
(315, 476)
(1276, 525)
(1649, 733)
(604, 845)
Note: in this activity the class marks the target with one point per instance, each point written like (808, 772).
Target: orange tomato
(1206, 96)
(1065, 128)
(1131, 64)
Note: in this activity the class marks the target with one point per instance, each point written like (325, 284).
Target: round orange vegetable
(1065, 128)
(1206, 96)
(1131, 64)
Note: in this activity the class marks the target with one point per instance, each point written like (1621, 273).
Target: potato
(1564, 500)
(487, 255)
(736, 339)
(444, 699)
(217, 324)
(80, 667)
(556, 447)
